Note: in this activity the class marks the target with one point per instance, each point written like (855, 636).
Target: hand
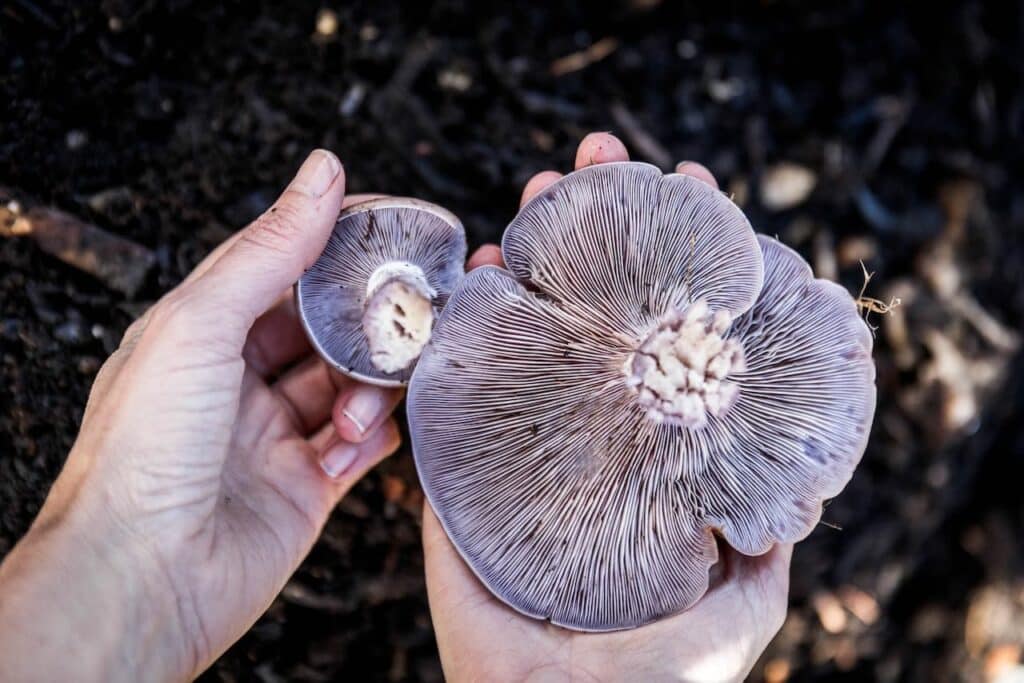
(205, 467)
(718, 639)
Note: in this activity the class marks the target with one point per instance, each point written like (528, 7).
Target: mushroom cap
(332, 294)
(560, 492)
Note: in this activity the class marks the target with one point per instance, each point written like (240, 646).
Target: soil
(172, 124)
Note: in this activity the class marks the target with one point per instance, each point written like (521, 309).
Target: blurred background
(135, 136)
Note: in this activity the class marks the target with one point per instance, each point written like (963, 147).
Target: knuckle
(134, 331)
(276, 229)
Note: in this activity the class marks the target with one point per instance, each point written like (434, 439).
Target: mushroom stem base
(398, 315)
(679, 371)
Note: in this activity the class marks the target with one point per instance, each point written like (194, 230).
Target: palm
(228, 531)
(718, 639)
(270, 504)
(482, 639)
(230, 517)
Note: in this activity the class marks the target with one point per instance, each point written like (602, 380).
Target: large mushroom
(369, 302)
(647, 374)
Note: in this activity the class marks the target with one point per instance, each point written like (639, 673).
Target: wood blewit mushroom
(647, 374)
(369, 302)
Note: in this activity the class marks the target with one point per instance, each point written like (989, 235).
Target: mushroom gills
(398, 315)
(679, 371)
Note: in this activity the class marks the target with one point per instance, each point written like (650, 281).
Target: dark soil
(172, 124)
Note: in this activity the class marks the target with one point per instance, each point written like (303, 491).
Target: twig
(637, 136)
(118, 262)
(870, 304)
(584, 58)
(894, 114)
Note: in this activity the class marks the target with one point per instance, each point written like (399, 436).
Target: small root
(871, 305)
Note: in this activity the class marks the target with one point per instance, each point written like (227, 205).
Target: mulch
(859, 132)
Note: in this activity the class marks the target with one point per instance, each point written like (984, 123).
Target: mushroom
(647, 375)
(369, 302)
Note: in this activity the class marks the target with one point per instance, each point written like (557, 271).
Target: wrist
(73, 594)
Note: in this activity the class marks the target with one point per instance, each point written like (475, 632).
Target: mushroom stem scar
(680, 371)
(398, 315)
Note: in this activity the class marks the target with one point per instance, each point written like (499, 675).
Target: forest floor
(864, 133)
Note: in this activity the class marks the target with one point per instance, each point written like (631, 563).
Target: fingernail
(338, 458)
(317, 173)
(365, 407)
(680, 165)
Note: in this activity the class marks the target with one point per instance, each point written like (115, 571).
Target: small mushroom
(647, 374)
(369, 302)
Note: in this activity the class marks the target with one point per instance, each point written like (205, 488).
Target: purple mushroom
(647, 375)
(369, 302)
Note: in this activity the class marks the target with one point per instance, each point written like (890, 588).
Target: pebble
(777, 671)
(76, 139)
(326, 23)
(786, 185)
(454, 79)
(88, 365)
(71, 332)
(686, 49)
(369, 33)
(722, 90)
(352, 99)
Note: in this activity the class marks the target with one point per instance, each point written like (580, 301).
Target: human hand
(205, 467)
(718, 639)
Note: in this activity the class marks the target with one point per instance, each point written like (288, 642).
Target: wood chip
(584, 58)
(119, 263)
(830, 612)
(854, 250)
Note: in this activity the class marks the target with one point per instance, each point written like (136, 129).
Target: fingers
(538, 183)
(698, 171)
(767, 577)
(600, 148)
(222, 248)
(487, 255)
(345, 463)
(773, 564)
(271, 254)
(772, 568)
(361, 408)
(595, 148)
(761, 583)
(307, 392)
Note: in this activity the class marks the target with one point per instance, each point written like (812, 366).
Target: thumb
(272, 253)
